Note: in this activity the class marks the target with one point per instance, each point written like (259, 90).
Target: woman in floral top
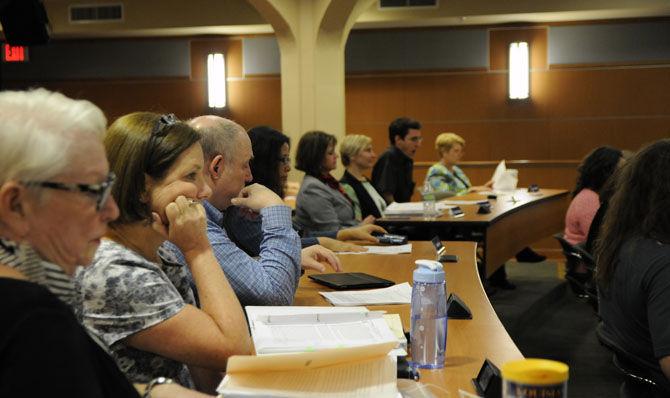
(445, 176)
(136, 298)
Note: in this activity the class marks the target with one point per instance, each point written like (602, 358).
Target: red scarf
(333, 183)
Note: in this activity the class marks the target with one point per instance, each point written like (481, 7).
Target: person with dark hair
(392, 174)
(137, 298)
(270, 167)
(272, 161)
(604, 195)
(594, 171)
(322, 204)
(633, 262)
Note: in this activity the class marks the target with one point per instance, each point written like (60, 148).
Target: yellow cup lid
(535, 371)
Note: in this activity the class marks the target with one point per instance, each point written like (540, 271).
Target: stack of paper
(394, 322)
(297, 329)
(504, 179)
(464, 202)
(415, 209)
(396, 294)
(396, 209)
(363, 371)
(316, 351)
(394, 249)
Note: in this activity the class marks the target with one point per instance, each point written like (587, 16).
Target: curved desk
(516, 221)
(469, 342)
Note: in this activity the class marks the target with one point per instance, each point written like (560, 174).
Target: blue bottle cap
(428, 271)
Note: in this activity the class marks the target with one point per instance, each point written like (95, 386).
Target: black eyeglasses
(285, 160)
(100, 191)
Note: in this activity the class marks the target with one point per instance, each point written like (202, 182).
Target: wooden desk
(511, 225)
(469, 342)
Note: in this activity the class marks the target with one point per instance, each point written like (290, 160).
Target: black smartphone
(457, 212)
(448, 258)
(442, 255)
(533, 188)
(391, 239)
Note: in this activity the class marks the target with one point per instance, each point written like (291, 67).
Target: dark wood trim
(569, 163)
(613, 65)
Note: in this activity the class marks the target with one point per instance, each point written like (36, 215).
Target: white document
(452, 203)
(445, 205)
(299, 329)
(499, 171)
(405, 209)
(365, 371)
(505, 179)
(396, 294)
(395, 249)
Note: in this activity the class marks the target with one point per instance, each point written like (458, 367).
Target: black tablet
(350, 280)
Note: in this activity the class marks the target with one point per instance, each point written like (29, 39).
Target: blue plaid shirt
(247, 232)
(272, 279)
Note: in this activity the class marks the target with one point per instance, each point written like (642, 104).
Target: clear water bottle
(428, 330)
(428, 196)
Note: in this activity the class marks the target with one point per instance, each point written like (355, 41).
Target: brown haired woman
(139, 300)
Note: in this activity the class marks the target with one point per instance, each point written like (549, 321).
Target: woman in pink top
(594, 171)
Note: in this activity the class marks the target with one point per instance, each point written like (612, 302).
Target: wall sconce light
(519, 71)
(216, 80)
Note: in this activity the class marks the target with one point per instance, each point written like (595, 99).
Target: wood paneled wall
(251, 101)
(573, 108)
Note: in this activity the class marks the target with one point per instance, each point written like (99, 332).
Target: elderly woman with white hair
(358, 157)
(54, 208)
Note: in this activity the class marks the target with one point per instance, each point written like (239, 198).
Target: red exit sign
(14, 53)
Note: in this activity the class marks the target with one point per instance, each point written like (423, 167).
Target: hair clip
(163, 123)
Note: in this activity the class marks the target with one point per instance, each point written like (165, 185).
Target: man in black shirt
(392, 174)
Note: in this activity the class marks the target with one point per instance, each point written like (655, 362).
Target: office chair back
(581, 284)
(639, 380)
(572, 256)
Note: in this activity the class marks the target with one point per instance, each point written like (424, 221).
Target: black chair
(639, 380)
(587, 258)
(582, 284)
(572, 256)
